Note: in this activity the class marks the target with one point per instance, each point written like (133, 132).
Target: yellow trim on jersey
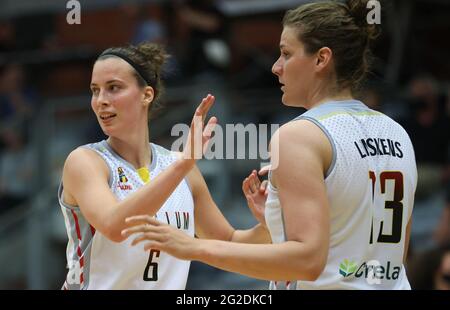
(347, 113)
(144, 174)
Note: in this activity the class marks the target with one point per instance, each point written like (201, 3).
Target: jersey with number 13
(370, 186)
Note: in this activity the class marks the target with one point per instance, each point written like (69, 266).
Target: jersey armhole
(330, 139)
(99, 154)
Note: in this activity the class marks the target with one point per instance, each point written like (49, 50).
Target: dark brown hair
(150, 58)
(342, 27)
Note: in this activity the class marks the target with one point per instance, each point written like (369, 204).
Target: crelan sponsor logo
(373, 271)
(347, 268)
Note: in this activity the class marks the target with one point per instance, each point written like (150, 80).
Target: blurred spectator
(430, 269)
(16, 166)
(150, 27)
(7, 36)
(206, 48)
(31, 31)
(429, 129)
(442, 232)
(442, 276)
(148, 23)
(17, 101)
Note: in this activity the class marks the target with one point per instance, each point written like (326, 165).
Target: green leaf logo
(347, 268)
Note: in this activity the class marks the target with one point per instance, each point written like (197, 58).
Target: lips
(107, 116)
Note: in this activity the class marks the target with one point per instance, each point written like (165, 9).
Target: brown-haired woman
(341, 188)
(106, 182)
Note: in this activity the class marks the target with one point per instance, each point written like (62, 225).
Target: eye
(114, 88)
(94, 91)
(285, 54)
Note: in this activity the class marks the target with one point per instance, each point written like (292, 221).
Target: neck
(134, 149)
(320, 97)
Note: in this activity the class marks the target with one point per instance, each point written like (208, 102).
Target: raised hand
(255, 192)
(199, 135)
(159, 236)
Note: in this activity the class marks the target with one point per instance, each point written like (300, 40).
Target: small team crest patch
(122, 180)
(122, 176)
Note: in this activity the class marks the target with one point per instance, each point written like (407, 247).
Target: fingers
(199, 135)
(135, 219)
(205, 105)
(209, 128)
(254, 182)
(264, 170)
(247, 187)
(141, 224)
(138, 229)
(251, 184)
(146, 237)
(263, 186)
(250, 201)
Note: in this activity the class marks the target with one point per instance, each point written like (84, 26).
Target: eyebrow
(108, 82)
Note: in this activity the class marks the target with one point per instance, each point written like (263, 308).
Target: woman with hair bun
(106, 182)
(341, 194)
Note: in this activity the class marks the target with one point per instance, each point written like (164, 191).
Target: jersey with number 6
(95, 262)
(370, 186)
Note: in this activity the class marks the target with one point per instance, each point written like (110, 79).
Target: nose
(102, 98)
(276, 68)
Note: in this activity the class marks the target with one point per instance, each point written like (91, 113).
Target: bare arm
(305, 154)
(86, 186)
(210, 222)
(300, 181)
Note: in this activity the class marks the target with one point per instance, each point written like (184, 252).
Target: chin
(107, 131)
(289, 102)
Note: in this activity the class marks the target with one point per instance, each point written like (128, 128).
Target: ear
(149, 94)
(324, 56)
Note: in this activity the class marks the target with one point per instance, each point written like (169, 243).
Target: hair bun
(359, 11)
(154, 53)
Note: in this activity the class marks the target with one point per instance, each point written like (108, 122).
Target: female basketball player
(340, 199)
(104, 183)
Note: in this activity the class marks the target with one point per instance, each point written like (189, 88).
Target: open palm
(199, 134)
(256, 194)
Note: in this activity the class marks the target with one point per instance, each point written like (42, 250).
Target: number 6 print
(154, 266)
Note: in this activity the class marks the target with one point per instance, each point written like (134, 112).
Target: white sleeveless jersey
(370, 187)
(95, 262)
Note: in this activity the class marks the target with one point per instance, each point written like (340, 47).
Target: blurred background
(223, 47)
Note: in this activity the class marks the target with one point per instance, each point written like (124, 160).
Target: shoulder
(300, 141)
(299, 133)
(84, 161)
(82, 155)
(161, 149)
(82, 166)
(164, 153)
